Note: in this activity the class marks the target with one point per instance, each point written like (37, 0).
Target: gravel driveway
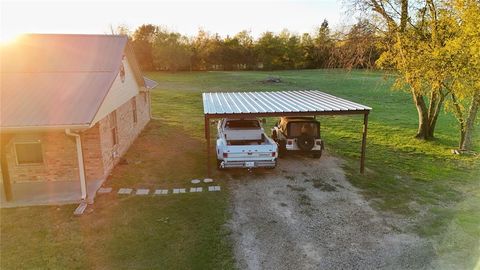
(306, 215)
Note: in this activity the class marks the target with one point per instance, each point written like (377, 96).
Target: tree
(270, 51)
(411, 44)
(171, 51)
(462, 57)
(247, 49)
(323, 46)
(142, 44)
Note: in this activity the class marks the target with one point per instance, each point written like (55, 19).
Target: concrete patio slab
(48, 193)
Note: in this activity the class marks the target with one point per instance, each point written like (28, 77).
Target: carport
(276, 104)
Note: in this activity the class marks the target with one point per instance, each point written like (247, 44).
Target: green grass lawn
(420, 180)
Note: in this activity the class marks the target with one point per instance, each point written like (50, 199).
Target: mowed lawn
(421, 181)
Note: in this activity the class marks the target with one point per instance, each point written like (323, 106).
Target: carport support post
(7, 186)
(207, 137)
(364, 142)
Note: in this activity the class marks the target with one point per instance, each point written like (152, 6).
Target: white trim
(81, 167)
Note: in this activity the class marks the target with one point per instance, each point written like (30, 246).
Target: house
(71, 105)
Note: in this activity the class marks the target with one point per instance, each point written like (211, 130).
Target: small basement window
(29, 153)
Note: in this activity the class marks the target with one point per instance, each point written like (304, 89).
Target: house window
(112, 119)
(29, 153)
(134, 110)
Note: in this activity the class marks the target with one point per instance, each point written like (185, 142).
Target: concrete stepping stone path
(142, 191)
(104, 190)
(196, 189)
(125, 191)
(161, 192)
(214, 188)
(179, 190)
(208, 180)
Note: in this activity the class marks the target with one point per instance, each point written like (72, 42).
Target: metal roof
(281, 102)
(149, 83)
(59, 80)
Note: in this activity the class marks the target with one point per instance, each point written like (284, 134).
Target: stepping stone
(196, 189)
(125, 191)
(208, 180)
(104, 190)
(195, 181)
(161, 192)
(143, 191)
(182, 190)
(176, 190)
(214, 188)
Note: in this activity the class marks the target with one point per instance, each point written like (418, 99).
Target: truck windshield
(297, 129)
(242, 124)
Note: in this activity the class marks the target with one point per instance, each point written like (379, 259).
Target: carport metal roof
(311, 102)
(280, 103)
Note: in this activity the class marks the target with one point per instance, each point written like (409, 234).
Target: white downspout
(81, 167)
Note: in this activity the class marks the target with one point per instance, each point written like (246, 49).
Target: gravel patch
(306, 215)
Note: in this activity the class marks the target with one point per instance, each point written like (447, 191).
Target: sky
(187, 17)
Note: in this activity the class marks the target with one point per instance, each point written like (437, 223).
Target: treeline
(157, 48)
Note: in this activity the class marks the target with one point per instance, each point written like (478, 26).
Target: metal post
(207, 137)
(7, 185)
(364, 142)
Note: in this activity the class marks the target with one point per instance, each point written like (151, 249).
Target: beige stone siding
(59, 150)
(127, 130)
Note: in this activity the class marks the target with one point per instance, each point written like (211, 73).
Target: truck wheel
(274, 166)
(305, 142)
(318, 154)
(274, 135)
(282, 148)
(219, 164)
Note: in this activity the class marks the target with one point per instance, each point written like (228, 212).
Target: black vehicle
(300, 134)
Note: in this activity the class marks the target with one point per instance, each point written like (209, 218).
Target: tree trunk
(467, 138)
(423, 122)
(436, 102)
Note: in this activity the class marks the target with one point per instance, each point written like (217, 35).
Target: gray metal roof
(58, 80)
(149, 83)
(288, 102)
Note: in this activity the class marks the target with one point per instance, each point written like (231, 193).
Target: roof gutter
(81, 166)
(43, 128)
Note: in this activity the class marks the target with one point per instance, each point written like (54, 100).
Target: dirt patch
(306, 215)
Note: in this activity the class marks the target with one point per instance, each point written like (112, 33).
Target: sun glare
(7, 37)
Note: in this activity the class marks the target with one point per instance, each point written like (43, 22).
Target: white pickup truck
(242, 143)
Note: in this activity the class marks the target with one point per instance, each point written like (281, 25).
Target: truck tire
(305, 142)
(274, 135)
(317, 154)
(219, 163)
(282, 148)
